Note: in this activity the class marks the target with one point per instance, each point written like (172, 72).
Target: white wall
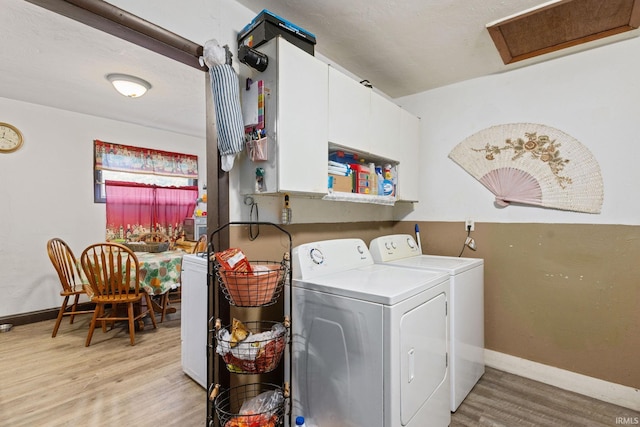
(46, 190)
(592, 96)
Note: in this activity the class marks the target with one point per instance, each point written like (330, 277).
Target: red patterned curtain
(134, 209)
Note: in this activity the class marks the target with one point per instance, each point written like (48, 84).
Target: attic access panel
(561, 24)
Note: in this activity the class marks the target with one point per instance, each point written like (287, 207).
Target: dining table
(158, 272)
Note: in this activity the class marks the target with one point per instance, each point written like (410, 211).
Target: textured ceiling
(401, 47)
(52, 60)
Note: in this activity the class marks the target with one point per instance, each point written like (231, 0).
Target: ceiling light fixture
(130, 86)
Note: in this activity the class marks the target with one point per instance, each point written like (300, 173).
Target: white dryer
(370, 341)
(466, 309)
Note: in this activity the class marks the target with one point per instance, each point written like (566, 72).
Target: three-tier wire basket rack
(248, 347)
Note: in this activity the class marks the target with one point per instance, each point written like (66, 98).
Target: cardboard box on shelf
(342, 184)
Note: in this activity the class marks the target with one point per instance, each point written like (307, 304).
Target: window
(144, 189)
(123, 163)
(103, 176)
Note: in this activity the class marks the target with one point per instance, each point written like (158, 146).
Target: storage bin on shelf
(258, 404)
(251, 347)
(250, 283)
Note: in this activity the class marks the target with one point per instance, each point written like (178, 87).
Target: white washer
(370, 342)
(466, 310)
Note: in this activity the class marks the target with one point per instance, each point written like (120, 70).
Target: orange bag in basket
(233, 259)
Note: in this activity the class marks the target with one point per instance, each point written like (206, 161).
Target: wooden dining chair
(201, 245)
(66, 266)
(112, 272)
(175, 295)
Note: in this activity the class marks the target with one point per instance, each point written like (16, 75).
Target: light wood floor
(58, 382)
(505, 400)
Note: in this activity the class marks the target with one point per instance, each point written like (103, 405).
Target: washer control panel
(329, 256)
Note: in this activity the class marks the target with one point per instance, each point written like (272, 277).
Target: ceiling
(401, 47)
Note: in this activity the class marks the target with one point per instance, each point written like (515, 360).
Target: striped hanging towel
(229, 122)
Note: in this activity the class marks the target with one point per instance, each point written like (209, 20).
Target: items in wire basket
(253, 288)
(233, 259)
(261, 405)
(249, 284)
(254, 348)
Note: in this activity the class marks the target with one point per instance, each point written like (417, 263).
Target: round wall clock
(10, 138)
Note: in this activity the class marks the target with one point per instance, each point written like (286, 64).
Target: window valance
(126, 158)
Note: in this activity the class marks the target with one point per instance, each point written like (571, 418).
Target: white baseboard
(617, 394)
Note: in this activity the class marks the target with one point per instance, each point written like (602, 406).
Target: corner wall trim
(617, 394)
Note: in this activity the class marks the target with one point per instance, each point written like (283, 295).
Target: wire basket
(153, 247)
(255, 405)
(258, 351)
(258, 288)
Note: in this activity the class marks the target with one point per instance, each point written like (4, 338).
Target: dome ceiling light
(129, 86)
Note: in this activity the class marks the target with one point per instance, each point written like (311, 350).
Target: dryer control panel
(394, 247)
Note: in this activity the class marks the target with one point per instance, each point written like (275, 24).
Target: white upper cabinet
(302, 120)
(311, 108)
(365, 121)
(296, 109)
(408, 169)
(384, 127)
(349, 109)
(360, 118)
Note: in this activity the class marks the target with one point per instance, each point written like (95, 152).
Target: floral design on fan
(539, 147)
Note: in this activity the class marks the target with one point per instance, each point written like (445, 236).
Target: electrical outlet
(469, 223)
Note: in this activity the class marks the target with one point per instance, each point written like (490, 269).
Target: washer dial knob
(316, 256)
(411, 243)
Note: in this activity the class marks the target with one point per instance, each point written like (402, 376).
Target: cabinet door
(409, 157)
(301, 121)
(349, 109)
(384, 127)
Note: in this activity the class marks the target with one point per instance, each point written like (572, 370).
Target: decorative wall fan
(533, 164)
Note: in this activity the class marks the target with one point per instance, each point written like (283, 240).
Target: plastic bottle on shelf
(387, 185)
(380, 180)
(373, 186)
(300, 422)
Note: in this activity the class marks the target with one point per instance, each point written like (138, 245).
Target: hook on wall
(253, 217)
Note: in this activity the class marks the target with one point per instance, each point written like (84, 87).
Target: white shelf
(360, 198)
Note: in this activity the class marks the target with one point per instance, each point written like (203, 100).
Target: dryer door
(423, 354)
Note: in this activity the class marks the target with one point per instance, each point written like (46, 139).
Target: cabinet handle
(412, 364)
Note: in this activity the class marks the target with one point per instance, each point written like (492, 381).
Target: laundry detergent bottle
(387, 183)
(379, 181)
